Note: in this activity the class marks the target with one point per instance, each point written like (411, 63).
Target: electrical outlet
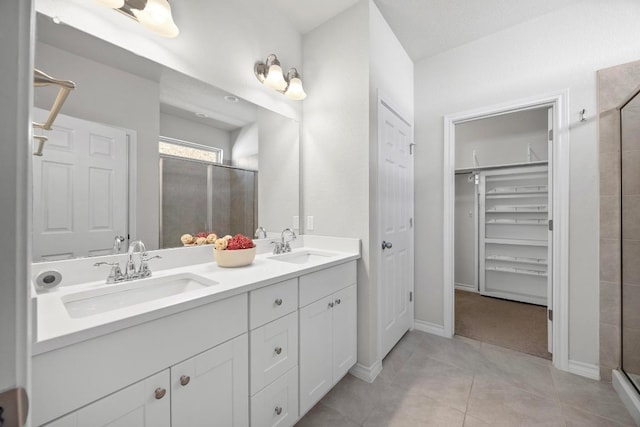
(296, 222)
(310, 222)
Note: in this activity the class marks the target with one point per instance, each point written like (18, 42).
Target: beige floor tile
(457, 351)
(470, 421)
(323, 416)
(595, 397)
(354, 398)
(520, 370)
(499, 403)
(410, 410)
(578, 418)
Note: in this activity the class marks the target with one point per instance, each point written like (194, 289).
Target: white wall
(192, 131)
(244, 147)
(279, 173)
(502, 139)
(113, 97)
(16, 51)
(347, 60)
(219, 42)
(554, 52)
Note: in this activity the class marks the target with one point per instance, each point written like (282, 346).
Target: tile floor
(432, 381)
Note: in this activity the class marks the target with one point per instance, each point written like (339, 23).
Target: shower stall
(200, 196)
(627, 379)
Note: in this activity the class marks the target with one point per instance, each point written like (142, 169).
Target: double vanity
(195, 344)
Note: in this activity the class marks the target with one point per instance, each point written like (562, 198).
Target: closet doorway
(500, 188)
(502, 221)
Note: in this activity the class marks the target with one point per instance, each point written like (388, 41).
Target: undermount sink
(303, 257)
(112, 297)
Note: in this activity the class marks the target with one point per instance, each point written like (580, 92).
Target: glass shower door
(630, 209)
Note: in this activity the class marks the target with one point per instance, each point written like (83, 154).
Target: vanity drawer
(271, 302)
(325, 282)
(274, 350)
(277, 404)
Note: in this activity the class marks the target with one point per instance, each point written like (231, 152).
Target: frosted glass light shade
(156, 16)
(295, 90)
(274, 78)
(114, 4)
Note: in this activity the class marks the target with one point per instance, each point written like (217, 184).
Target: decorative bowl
(234, 257)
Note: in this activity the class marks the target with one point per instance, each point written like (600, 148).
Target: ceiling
(428, 27)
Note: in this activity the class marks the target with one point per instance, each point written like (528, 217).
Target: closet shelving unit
(513, 238)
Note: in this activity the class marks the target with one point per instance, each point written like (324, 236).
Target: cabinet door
(344, 332)
(212, 388)
(316, 354)
(138, 405)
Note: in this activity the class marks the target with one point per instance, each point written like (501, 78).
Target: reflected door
(80, 189)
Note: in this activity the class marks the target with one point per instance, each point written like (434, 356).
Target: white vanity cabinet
(207, 389)
(274, 354)
(328, 330)
(145, 403)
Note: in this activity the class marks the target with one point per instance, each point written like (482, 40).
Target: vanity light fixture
(271, 75)
(154, 15)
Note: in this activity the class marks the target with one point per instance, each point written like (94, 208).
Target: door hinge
(410, 296)
(410, 222)
(411, 147)
(550, 225)
(550, 134)
(550, 315)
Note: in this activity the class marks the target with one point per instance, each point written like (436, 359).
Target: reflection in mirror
(100, 176)
(630, 172)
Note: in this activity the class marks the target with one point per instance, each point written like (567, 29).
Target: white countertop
(54, 328)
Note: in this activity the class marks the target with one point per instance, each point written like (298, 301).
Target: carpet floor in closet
(513, 325)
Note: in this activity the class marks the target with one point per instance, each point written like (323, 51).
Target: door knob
(386, 245)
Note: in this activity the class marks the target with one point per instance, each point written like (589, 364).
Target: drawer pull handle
(160, 392)
(338, 301)
(330, 305)
(184, 380)
(278, 350)
(278, 410)
(278, 301)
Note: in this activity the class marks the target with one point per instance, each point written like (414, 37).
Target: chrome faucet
(260, 231)
(131, 271)
(283, 245)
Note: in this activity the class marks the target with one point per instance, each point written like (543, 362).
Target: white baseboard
(466, 287)
(584, 369)
(366, 373)
(627, 394)
(430, 328)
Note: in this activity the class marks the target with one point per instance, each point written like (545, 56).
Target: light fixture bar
(270, 74)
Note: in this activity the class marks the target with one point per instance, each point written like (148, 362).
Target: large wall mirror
(147, 153)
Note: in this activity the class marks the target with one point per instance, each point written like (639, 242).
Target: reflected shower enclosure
(201, 196)
(630, 196)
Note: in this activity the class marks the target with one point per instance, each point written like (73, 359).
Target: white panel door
(345, 333)
(80, 197)
(212, 388)
(395, 194)
(316, 354)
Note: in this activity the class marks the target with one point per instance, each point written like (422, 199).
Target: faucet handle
(115, 275)
(144, 267)
(278, 248)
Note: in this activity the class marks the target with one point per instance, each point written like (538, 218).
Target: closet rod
(510, 165)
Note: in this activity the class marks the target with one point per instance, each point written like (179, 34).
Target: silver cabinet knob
(184, 380)
(338, 301)
(278, 301)
(278, 350)
(278, 410)
(330, 305)
(159, 393)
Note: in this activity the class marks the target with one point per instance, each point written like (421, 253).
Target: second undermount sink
(112, 297)
(303, 257)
